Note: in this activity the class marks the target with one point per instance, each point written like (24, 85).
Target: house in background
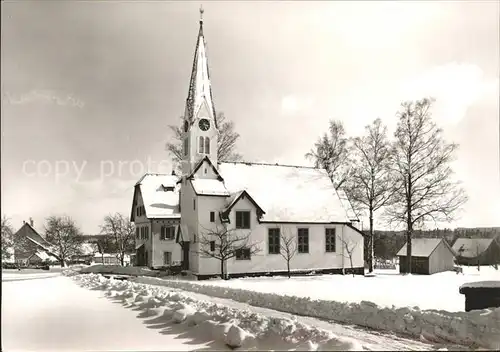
(477, 251)
(109, 259)
(32, 246)
(156, 215)
(429, 256)
(96, 246)
(172, 213)
(40, 257)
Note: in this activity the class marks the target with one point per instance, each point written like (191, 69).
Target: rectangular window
(167, 258)
(147, 232)
(212, 246)
(224, 218)
(330, 240)
(212, 216)
(274, 241)
(303, 240)
(242, 219)
(167, 233)
(185, 146)
(137, 232)
(194, 204)
(242, 254)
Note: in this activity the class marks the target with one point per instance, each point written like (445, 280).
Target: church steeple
(200, 133)
(200, 91)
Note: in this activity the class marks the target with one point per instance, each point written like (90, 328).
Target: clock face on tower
(204, 124)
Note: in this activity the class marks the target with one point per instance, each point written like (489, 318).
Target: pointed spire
(200, 90)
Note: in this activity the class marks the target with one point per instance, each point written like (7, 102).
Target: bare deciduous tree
(223, 244)
(226, 141)
(423, 189)
(349, 246)
(369, 187)
(120, 232)
(7, 239)
(104, 245)
(331, 152)
(65, 237)
(288, 247)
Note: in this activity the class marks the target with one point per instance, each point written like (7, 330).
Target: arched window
(207, 145)
(204, 145)
(185, 146)
(201, 145)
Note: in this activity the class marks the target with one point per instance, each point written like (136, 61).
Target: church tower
(200, 123)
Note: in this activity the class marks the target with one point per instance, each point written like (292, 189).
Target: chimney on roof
(24, 222)
(31, 222)
(173, 173)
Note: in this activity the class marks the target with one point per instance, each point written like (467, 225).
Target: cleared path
(55, 314)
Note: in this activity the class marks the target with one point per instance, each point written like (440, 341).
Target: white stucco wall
(189, 218)
(205, 171)
(160, 246)
(206, 205)
(317, 258)
(140, 222)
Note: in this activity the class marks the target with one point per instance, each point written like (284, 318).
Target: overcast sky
(96, 83)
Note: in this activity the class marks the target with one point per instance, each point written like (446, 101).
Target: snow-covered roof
(45, 256)
(421, 247)
(471, 247)
(87, 248)
(347, 205)
(286, 193)
(31, 232)
(203, 186)
(159, 203)
(42, 246)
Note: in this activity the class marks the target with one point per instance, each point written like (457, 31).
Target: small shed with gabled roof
(429, 256)
(477, 251)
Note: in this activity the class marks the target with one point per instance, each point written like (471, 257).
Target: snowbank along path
(474, 329)
(238, 325)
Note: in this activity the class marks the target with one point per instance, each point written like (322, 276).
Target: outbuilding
(477, 251)
(429, 256)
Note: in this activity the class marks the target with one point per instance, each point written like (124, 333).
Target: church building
(181, 220)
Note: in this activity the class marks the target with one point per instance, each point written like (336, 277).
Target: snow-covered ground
(27, 276)
(298, 296)
(55, 314)
(225, 322)
(387, 288)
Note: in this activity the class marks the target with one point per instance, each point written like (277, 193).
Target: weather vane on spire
(201, 13)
